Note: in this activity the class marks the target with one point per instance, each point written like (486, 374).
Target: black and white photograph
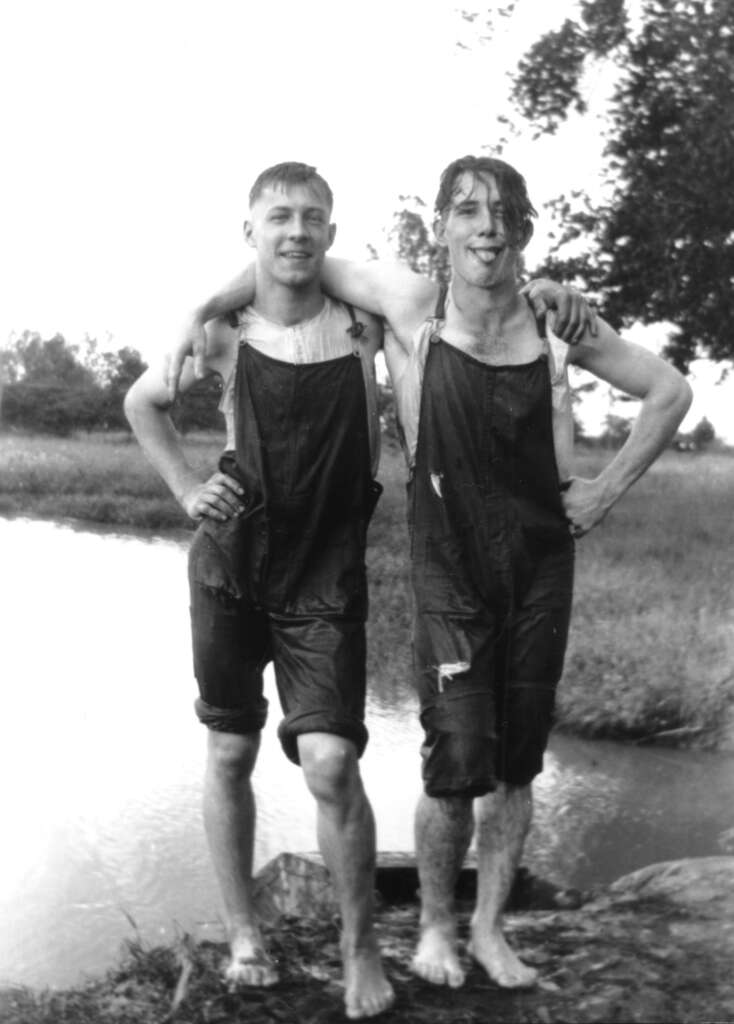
(366, 490)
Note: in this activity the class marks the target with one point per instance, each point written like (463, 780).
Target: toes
(455, 978)
(358, 1008)
(524, 978)
(504, 967)
(256, 971)
(439, 973)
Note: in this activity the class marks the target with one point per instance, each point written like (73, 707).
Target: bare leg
(346, 836)
(443, 831)
(503, 819)
(229, 821)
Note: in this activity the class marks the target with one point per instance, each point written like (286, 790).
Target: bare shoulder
(408, 297)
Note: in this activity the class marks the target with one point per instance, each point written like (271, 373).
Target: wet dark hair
(287, 174)
(518, 210)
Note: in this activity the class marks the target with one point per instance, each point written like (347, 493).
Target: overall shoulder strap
(356, 328)
(440, 311)
(439, 314)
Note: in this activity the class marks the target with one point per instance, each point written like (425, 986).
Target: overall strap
(357, 331)
(356, 328)
(439, 314)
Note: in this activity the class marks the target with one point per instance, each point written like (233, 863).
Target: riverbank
(652, 638)
(655, 946)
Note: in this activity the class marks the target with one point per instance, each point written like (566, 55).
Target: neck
(284, 303)
(485, 308)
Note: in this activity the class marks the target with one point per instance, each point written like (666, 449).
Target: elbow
(131, 405)
(683, 398)
(675, 401)
(128, 406)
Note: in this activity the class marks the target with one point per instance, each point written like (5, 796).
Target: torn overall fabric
(492, 570)
(285, 581)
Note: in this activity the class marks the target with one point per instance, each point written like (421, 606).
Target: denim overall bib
(492, 569)
(286, 579)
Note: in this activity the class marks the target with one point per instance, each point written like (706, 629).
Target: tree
(36, 361)
(616, 430)
(124, 368)
(54, 387)
(662, 247)
(412, 240)
(703, 433)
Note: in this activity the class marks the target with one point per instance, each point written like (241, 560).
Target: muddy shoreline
(655, 946)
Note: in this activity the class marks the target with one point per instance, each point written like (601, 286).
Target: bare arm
(666, 397)
(386, 288)
(383, 287)
(147, 406)
(193, 342)
(404, 298)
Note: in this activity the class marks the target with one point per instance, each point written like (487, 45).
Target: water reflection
(101, 758)
(603, 809)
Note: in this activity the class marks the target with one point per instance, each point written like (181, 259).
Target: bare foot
(500, 962)
(436, 958)
(250, 964)
(368, 992)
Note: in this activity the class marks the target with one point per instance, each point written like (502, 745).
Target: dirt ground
(635, 954)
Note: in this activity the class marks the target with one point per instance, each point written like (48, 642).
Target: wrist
(609, 490)
(184, 486)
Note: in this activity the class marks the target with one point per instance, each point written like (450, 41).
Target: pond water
(101, 759)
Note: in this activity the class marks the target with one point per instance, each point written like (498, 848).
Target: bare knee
(330, 766)
(506, 801)
(231, 757)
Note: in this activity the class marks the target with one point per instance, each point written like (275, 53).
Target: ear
(526, 235)
(439, 231)
(249, 233)
(332, 235)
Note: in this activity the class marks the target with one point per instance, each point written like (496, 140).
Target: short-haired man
(483, 403)
(277, 566)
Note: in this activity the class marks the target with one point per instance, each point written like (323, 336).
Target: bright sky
(133, 130)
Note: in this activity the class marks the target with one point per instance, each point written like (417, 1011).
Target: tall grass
(100, 477)
(651, 649)
(652, 639)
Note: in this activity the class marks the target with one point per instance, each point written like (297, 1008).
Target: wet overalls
(285, 581)
(492, 570)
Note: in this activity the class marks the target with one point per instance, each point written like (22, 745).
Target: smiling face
(484, 246)
(290, 229)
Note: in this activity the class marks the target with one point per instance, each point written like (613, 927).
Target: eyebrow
(289, 209)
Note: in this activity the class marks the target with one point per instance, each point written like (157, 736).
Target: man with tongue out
(484, 405)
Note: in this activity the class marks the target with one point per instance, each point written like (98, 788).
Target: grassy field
(652, 638)
(100, 477)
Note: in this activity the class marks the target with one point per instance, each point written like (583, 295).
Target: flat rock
(706, 883)
(298, 884)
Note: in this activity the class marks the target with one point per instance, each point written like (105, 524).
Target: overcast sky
(132, 132)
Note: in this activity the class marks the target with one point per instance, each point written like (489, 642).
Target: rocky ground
(657, 946)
